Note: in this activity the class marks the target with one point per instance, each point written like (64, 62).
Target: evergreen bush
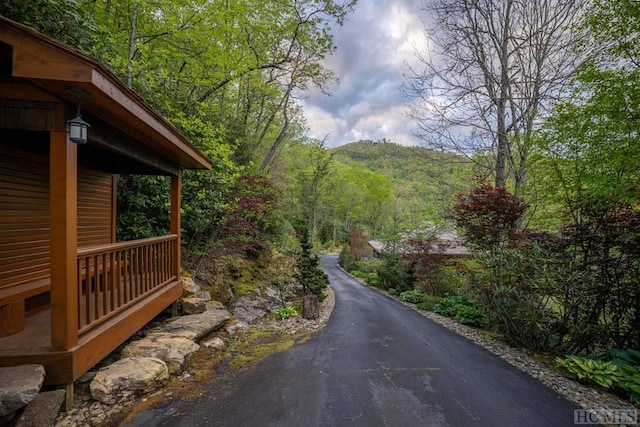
(309, 273)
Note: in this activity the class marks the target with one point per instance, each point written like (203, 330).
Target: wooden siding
(94, 208)
(24, 215)
(24, 218)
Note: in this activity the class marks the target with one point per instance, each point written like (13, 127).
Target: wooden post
(176, 184)
(63, 208)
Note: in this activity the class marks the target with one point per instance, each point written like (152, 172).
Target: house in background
(445, 243)
(69, 292)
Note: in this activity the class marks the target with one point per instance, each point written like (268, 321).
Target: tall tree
(492, 70)
(591, 143)
(315, 183)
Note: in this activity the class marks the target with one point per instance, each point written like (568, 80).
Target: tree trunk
(132, 45)
(310, 307)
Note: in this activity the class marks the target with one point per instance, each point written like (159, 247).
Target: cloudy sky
(374, 47)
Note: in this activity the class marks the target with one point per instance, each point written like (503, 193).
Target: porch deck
(36, 336)
(114, 300)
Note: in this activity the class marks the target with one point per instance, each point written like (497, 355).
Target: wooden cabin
(70, 292)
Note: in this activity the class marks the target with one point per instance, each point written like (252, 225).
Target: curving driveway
(376, 363)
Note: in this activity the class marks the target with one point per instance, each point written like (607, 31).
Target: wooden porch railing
(112, 277)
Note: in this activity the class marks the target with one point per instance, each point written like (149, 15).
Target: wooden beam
(176, 189)
(30, 115)
(123, 145)
(135, 111)
(24, 92)
(32, 58)
(64, 241)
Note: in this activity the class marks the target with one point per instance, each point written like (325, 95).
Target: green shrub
(471, 316)
(371, 279)
(620, 357)
(453, 279)
(285, 312)
(393, 291)
(630, 381)
(446, 307)
(359, 274)
(414, 296)
(595, 371)
(429, 302)
(346, 260)
(392, 274)
(449, 306)
(515, 290)
(628, 363)
(369, 265)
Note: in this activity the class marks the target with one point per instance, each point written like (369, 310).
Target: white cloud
(374, 46)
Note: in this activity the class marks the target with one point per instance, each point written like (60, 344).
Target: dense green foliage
(64, 20)
(393, 275)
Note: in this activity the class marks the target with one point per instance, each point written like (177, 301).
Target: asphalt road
(376, 363)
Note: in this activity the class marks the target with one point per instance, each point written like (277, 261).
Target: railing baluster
(81, 312)
(111, 277)
(156, 264)
(102, 282)
(147, 275)
(163, 261)
(96, 288)
(134, 272)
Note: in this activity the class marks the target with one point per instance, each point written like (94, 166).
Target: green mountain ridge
(423, 181)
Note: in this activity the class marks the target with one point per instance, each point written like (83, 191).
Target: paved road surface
(376, 363)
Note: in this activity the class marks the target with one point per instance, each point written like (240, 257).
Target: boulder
(134, 374)
(19, 385)
(223, 292)
(203, 295)
(237, 327)
(43, 410)
(175, 351)
(194, 326)
(249, 308)
(189, 285)
(272, 293)
(215, 305)
(215, 343)
(192, 306)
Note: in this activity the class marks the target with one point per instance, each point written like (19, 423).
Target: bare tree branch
(491, 73)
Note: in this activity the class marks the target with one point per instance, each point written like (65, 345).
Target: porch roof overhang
(70, 76)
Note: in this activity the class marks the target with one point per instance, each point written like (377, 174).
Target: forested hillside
(423, 181)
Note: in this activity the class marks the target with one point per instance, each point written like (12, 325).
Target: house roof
(446, 242)
(69, 75)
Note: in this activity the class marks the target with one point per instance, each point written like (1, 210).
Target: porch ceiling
(70, 76)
